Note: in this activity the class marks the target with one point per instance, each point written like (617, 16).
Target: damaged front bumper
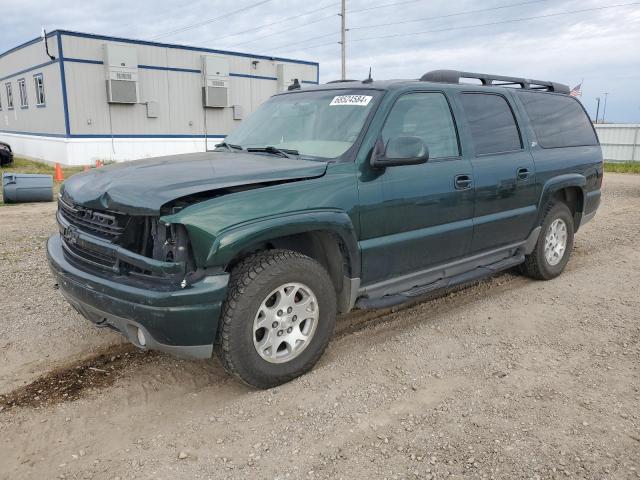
(181, 322)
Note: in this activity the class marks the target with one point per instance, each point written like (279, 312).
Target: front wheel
(553, 249)
(278, 318)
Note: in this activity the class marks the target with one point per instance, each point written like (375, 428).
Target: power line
(211, 20)
(375, 7)
(571, 12)
(333, 15)
(289, 29)
(305, 41)
(468, 12)
(392, 23)
(282, 20)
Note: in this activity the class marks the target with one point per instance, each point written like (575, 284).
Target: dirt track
(507, 379)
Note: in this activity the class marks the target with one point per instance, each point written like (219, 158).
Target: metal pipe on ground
(27, 187)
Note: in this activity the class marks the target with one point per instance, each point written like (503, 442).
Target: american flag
(575, 91)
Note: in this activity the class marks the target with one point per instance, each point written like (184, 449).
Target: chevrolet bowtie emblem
(71, 234)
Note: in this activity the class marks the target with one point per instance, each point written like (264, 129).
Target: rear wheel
(278, 318)
(553, 249)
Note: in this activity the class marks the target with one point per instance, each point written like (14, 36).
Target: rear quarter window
(558, 120)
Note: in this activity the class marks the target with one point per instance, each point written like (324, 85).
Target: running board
(477, 273)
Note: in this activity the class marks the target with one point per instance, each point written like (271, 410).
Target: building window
(38, 81)
(22, 88)
(9, 96)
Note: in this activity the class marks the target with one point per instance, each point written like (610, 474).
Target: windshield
(322, 124)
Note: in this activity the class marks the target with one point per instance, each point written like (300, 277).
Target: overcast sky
(600, 46)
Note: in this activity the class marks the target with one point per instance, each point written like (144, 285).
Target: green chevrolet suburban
(350, 194)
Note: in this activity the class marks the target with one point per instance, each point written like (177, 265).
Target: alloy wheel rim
(285, 323)
(555, 242)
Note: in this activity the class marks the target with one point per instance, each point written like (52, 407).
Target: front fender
(238, 238)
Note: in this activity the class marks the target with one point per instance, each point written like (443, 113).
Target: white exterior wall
(168, 74)
(49, 149)
(85, 151)
(620, 142)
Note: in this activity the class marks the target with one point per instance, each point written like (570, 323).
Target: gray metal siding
(20, 64)
(178, 93)
(620, 142)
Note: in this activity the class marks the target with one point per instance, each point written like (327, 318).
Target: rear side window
(558, 121)
(493, 126)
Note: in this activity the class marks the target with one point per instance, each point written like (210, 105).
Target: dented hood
(142, 187)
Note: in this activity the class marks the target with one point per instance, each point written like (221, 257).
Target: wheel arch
(326, 236)
(569, 189)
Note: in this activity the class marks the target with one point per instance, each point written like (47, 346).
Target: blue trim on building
(169, 69)
(83, 60)
(144, 136)
(180, 47)
(107, 136)
(36, 134)
(26, 70)
(177, 69)
(26, 44)
(63, 80)
(246, 75)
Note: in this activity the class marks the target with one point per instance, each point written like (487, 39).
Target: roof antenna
(368, 79)
(46, 44)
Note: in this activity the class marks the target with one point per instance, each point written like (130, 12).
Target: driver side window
(425, 115)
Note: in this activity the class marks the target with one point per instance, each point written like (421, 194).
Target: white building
(80, 97)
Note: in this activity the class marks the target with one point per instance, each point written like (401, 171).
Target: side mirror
(402, 150)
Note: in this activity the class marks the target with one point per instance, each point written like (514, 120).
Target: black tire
(251, 282)
(536, 265)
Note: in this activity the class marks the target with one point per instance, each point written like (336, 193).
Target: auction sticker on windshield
(360, 100)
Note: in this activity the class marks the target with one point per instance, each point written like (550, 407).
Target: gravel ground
(508, 379)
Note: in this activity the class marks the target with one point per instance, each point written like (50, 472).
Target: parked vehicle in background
(347, 194)
(6, 154)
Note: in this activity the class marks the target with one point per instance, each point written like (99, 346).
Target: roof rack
(454, 76)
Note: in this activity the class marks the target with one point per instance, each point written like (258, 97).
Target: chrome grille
(107, 225)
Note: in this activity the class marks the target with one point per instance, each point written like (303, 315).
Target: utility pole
(597, 109)
(343, 34)
(604, 109)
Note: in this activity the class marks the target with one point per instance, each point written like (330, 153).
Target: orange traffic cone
(98, 163)
(86, 168)
(58, 176)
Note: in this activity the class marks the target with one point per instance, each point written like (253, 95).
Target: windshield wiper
(283, 152)
(229, 146)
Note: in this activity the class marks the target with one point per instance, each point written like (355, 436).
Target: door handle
(522, 173)
(462, 182)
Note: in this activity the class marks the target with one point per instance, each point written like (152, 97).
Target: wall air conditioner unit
(215, 81)
(121, 68)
